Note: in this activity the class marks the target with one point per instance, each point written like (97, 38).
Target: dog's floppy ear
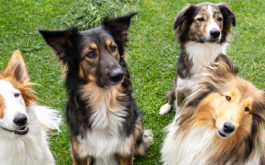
(118, 27)
(185, 13)
(259, 106)
(228, 16)
(16, 68)
(60, 41)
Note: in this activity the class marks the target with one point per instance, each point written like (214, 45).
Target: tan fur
(197, 28)
(19, 81)
(75, 150)
(125, 160)
(2, 107)
(215, 109)
(98, 96)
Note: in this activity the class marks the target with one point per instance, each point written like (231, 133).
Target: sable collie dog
(221, 123)
(105, 126)
(23, 124)
(202, 32)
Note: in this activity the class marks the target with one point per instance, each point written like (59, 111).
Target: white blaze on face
(212, 25)
(13, 105)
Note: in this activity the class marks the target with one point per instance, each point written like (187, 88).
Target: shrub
(87, 14)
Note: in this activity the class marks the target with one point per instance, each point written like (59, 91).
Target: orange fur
(16, 73)
(223, 96)
(2, 107)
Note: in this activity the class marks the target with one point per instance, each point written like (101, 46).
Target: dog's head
(231, 104)
(15, 96)
(205, 22)
(94, 55)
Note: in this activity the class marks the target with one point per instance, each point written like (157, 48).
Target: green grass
(152, 52)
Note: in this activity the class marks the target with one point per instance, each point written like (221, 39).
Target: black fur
(184, 65)
(69, 45)
(184, 20)
(229, 19)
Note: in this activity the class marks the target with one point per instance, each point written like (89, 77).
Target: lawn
(152, 52)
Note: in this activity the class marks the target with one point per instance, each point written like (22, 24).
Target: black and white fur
(202, 31)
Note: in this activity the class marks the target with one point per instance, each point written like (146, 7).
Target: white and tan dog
(221, 123)
(23, 124)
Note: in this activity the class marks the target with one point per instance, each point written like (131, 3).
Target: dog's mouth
(21, 131)
(109, 83)
(221, 134)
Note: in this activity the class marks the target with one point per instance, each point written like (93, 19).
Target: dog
(221, 123)
(23, 123)
(105, 126)
(202, 32)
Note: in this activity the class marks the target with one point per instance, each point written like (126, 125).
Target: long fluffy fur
(192, 137)
(31, 148)
(105, 124)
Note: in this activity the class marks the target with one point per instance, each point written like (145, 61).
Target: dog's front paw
(165, 109)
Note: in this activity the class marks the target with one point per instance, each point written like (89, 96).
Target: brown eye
(228, 98)
(219, 19)
(200, 19)
(91, 54)
(113, 48)
(16, 94)
(246, 109)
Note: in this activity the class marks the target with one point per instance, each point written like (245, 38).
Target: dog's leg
(86, 161)
(180, 98)
(143, 139)
(171, 98)
(76, 159)
(125, 160)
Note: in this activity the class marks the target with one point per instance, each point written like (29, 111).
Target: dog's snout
(116, 75)
(215, 33)
(20, 119)
(228, 127)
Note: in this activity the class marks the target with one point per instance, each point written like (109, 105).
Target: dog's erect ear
(60, 41)
(16, 68)
(118, 27)
(259, 106)
(228, 15)
(183, 16)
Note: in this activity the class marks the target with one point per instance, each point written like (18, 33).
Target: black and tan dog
(105, 126)
(202, 31)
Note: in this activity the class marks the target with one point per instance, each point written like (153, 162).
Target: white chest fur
(203, 54)
(29, 149)
(105, 138)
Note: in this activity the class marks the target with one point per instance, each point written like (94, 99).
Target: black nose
(215, 33)
(228, 127)
(116, 75)
(20, 119)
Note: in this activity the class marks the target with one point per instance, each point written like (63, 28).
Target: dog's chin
(210, 40)
(213, 40)
(21, 131)
(106, 84)
(223, 135)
